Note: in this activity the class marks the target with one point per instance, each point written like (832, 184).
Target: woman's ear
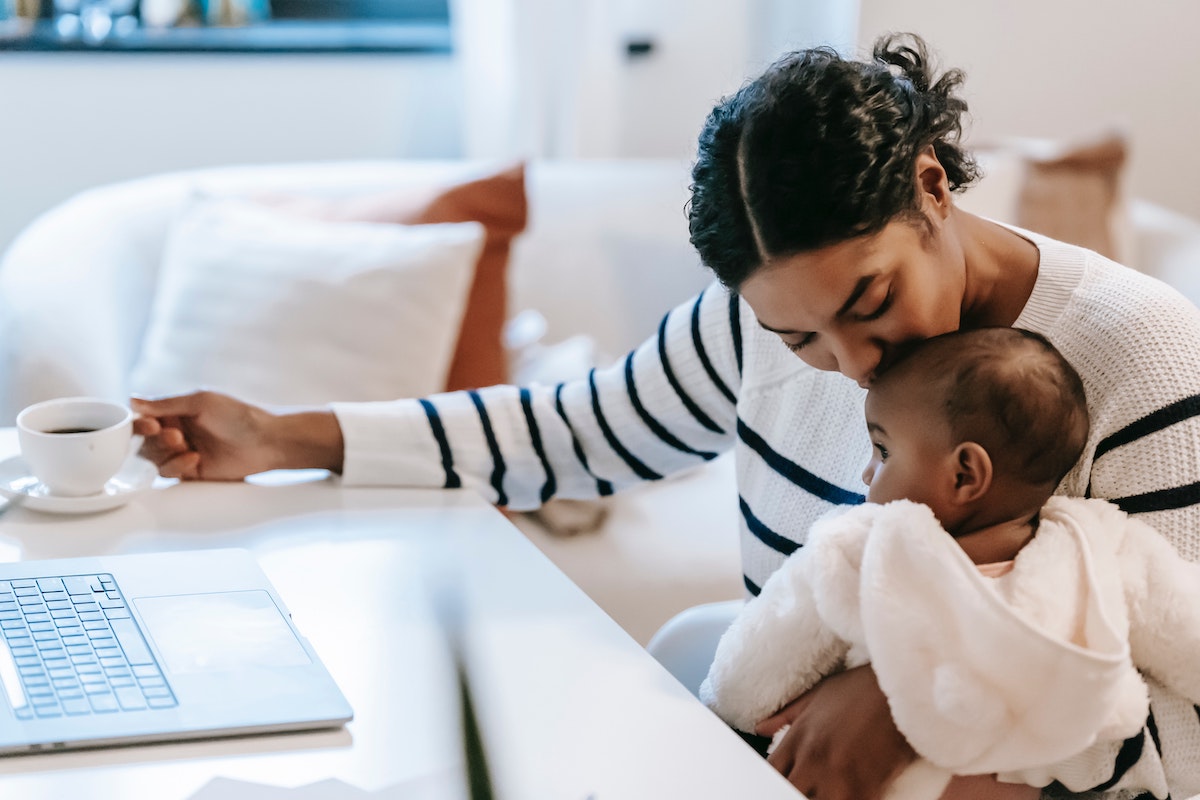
(972, 472)
(933, 184)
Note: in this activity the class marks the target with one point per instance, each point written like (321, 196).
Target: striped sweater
(711, 379)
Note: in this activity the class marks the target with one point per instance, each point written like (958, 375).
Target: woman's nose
(858, 360)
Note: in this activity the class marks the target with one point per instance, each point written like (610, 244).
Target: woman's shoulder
(1130, 291)
(1134, 341)
(1118, 327)
(1086, 274)
(1116, 311)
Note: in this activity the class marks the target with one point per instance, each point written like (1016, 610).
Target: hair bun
(938, 111)
(906, 56)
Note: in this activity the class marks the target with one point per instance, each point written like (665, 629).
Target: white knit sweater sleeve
(668, 405)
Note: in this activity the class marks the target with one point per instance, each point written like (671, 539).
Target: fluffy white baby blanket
(984, 675)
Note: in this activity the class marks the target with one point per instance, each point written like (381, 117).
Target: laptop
(131, 649)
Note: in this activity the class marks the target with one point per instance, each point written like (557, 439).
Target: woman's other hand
(212, 436)
(842, 744)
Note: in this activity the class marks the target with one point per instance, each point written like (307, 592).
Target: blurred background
(94, 91)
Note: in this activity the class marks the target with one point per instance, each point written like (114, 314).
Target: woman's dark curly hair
(820, 149)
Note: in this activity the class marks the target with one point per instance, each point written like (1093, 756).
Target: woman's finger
(173, 440)
(184, 405)
(784, 716)
(146, 426)
(185, 466)
(168, 444)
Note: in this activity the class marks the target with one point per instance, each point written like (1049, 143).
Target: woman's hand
(211, 436)
(842, 744)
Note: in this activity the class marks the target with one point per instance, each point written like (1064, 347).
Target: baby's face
(912, 456)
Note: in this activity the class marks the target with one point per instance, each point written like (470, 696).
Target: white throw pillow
(278, 309)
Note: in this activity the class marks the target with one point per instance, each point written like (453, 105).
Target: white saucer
(16, 482)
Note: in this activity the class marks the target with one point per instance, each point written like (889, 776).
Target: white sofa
(605, 254)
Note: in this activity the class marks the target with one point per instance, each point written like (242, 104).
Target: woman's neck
(1001, 270)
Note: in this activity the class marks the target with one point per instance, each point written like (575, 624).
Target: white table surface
(572, 708)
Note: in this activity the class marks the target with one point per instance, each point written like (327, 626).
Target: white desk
(571, 706)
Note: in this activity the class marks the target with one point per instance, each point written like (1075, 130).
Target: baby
(1006, 626)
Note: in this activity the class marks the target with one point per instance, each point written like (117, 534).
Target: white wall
(69, 121)
(704, 50)
(552, 77)
(76, 120)
(1066, 68)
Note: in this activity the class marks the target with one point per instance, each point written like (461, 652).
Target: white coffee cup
(74, 445)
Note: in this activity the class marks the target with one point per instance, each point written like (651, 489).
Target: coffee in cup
(74, 445)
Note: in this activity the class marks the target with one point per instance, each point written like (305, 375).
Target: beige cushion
(279, 309)
(1069, 190)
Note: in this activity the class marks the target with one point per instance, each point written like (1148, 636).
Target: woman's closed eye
(880, 310)
(796, 347)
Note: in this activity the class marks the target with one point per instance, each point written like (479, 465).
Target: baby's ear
(972, 472)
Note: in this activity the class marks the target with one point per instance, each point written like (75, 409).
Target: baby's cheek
(881, 490)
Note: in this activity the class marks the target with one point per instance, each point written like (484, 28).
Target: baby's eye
(883, 453)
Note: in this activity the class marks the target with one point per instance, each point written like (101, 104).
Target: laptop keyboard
(73, 647)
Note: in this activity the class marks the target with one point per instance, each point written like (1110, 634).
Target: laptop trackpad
(223, 631)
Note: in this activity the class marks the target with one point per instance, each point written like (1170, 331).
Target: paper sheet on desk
(434, 787)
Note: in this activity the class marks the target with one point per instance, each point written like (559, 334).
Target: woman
(822, 199)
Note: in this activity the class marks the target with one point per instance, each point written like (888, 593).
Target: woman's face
(846, 307)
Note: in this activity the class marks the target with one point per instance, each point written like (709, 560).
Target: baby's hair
(1010, 391)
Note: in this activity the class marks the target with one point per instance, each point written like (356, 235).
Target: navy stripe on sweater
(1129, 754)
(535, 437)
(795, 473)
(634, 463)
(493, 447)
(735, 327)
(698, 343)
(688, 402)
(439, 435)
(603, 487)
(1151, 423)
(1152, 726)
(1160, 500)
(751, 587)
(654, 425)
(770, 538)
